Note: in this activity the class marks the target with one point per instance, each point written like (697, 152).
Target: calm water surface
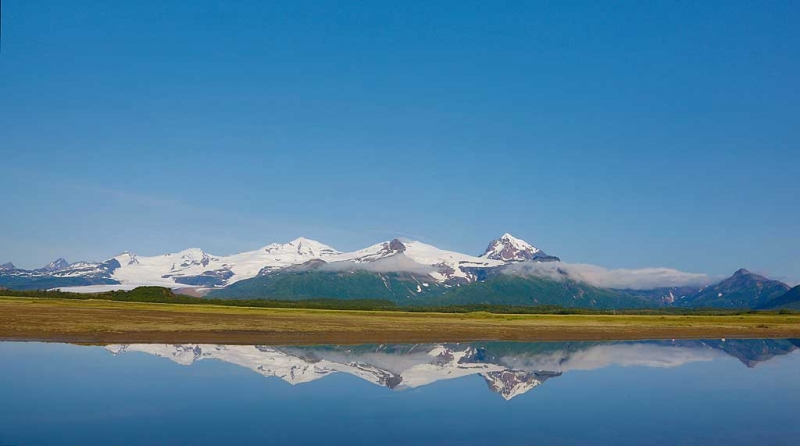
(649, 392)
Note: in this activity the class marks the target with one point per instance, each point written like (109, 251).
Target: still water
(488, 393)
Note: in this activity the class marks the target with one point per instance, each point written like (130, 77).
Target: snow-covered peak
(7, 266)
(160, 270)
(508, 248)
(191, 253)
(372, 253)
(508, 238)
(194, 267)
(445, 265)
(55, 265)
(303, 247)
(452, 265)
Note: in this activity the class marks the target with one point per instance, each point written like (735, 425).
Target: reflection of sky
(62, 394)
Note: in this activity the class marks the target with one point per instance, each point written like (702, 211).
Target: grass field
(99, 321)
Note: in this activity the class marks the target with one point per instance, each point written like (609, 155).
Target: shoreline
(109, 322)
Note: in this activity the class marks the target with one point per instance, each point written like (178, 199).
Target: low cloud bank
(398, 263)
(632, 279)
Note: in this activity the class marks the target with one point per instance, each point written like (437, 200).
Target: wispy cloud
(140, 199)
(398, 263)
(131, 197)
(634, 279)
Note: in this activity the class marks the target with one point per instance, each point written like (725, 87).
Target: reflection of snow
(411, 366)
(408, 369)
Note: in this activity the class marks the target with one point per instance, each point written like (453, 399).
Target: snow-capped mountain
(55, 265)
(443, 265)
(61, 274)
(510, 271)
(196, 268)
(508, 248)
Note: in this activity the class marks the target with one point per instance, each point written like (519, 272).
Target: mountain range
(509, 369)
(510, 271)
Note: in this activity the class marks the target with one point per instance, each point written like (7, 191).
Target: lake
(483, 393)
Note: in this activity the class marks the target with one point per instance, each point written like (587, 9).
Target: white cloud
(398, 263)
(635, 279)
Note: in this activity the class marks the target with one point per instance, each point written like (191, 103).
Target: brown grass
(96, 321)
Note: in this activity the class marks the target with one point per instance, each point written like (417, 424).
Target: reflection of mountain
(396, 367)
(751, 352)
(510, 369)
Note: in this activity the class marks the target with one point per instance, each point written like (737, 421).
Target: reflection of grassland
(105, 321)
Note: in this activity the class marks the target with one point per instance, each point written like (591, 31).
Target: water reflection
(509, 369)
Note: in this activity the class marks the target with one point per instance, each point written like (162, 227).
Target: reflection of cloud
(643, 278)
(397, 263)
(613, 354)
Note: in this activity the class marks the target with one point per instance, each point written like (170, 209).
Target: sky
(621, 134)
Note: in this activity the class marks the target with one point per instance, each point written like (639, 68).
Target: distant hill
(743, 289)
(507, 289)
(789, 300)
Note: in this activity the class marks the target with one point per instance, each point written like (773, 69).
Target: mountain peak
(396, 245)
(7, 266)
(191, 252)
(55, 265)
(742, 276)
(511, 249)
(302, 246)
(743, 289)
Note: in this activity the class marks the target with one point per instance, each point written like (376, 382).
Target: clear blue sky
(626, 135)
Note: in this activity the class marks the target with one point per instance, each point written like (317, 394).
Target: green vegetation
(789, 301)
(44, 282)
(164, 295)
(745, 297)
(104, 322)
(301, 285)
(521, 291)
(408, 289)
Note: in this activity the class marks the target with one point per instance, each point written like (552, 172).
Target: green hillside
(298, 285)
(530, 290)
(789, 300)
